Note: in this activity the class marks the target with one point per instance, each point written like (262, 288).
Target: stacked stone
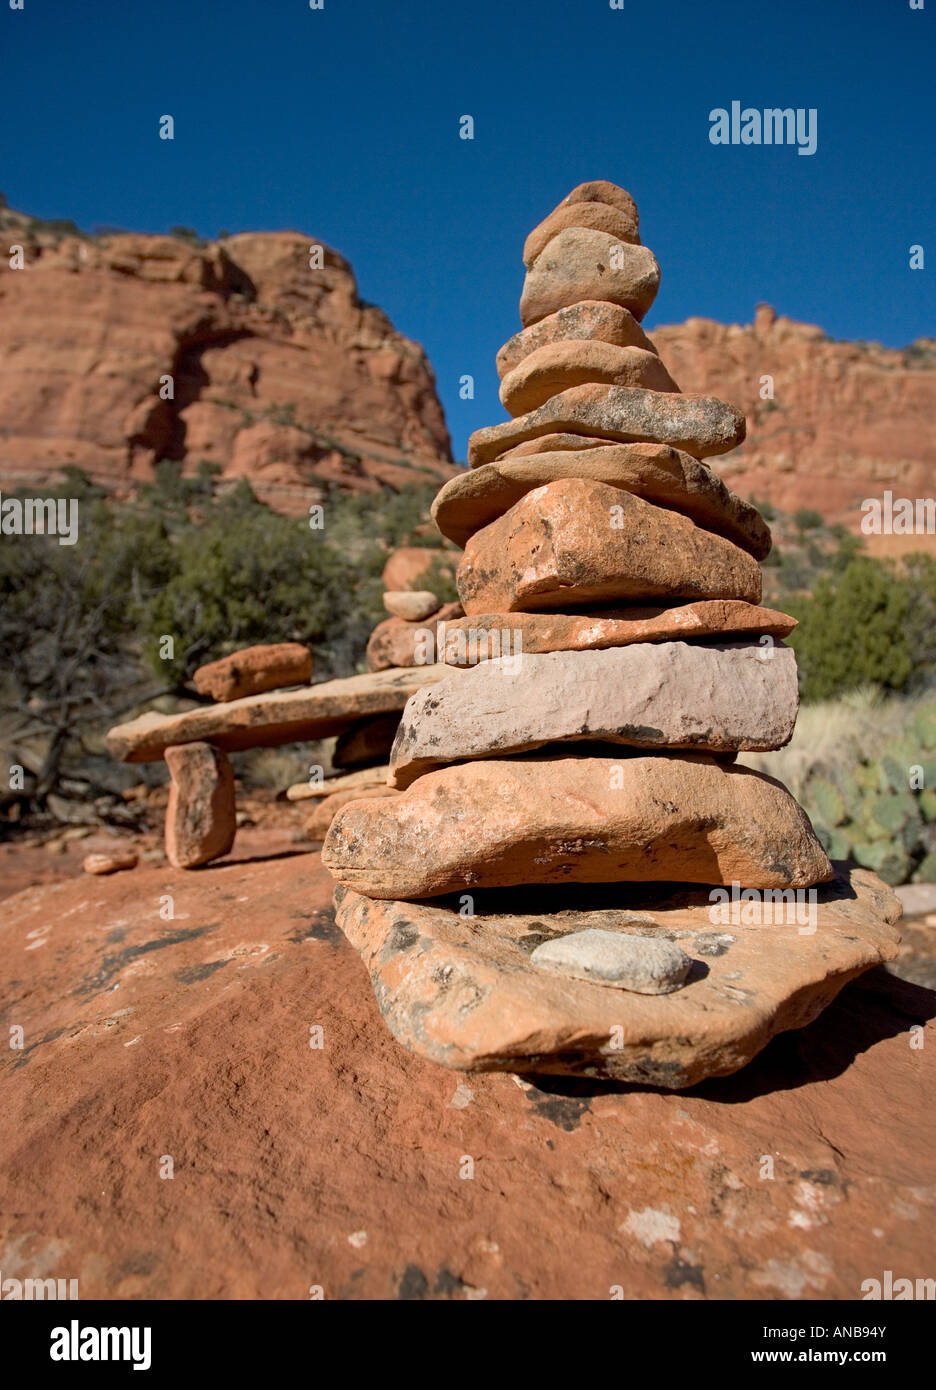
(201, 816)
(407, 639)
(617, 661)
(263, 700)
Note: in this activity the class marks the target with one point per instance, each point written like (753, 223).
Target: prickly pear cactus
(881, 813)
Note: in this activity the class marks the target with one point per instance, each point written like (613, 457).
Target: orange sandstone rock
(255, 669)
(396, 642)
(316, 826)
(407, 566)
(489, 635)
(201, 815)
(576, 542)
(100, 864)
(598, 217)
(557, 366)
(591, 319)
(655, 472)
(577, 819)
(581, 264)
(602, 191)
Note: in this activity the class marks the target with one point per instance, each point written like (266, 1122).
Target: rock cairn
(557, 886)
(262, 698)
(404, 641)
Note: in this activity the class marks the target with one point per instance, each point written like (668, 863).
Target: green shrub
(854, 631)
(82, 626)
(186, 234)
(805, 519)
(767, 509)
(439, 578)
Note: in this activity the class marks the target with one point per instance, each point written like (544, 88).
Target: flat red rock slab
(277, 717)
(341, 1166)
(462, 991)
(563, 814)
(487, 635)
(699, 425)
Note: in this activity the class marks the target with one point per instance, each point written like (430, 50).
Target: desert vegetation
(189, 570)
(183, 574)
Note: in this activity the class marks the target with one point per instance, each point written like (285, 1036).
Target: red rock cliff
(848, 419)
(281, 374)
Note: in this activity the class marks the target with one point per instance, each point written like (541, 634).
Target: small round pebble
(642, 964)
(108, 863)
(411, 604)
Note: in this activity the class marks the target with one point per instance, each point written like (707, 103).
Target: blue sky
(344, 123)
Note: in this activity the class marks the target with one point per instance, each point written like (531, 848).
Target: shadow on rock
(867, 1011)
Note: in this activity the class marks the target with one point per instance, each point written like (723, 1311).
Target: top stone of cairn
(588, 248)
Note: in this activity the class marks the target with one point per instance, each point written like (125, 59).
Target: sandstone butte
(467, 641)
(847, 419)
(160, 304)
(568, 818)
(572, 542)
(284, 1153)
(282, 374)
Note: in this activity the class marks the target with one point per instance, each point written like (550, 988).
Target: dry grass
(275, 769)
(831, 733)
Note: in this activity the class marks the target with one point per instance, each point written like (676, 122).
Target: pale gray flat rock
(642, 964)
(720, 698)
